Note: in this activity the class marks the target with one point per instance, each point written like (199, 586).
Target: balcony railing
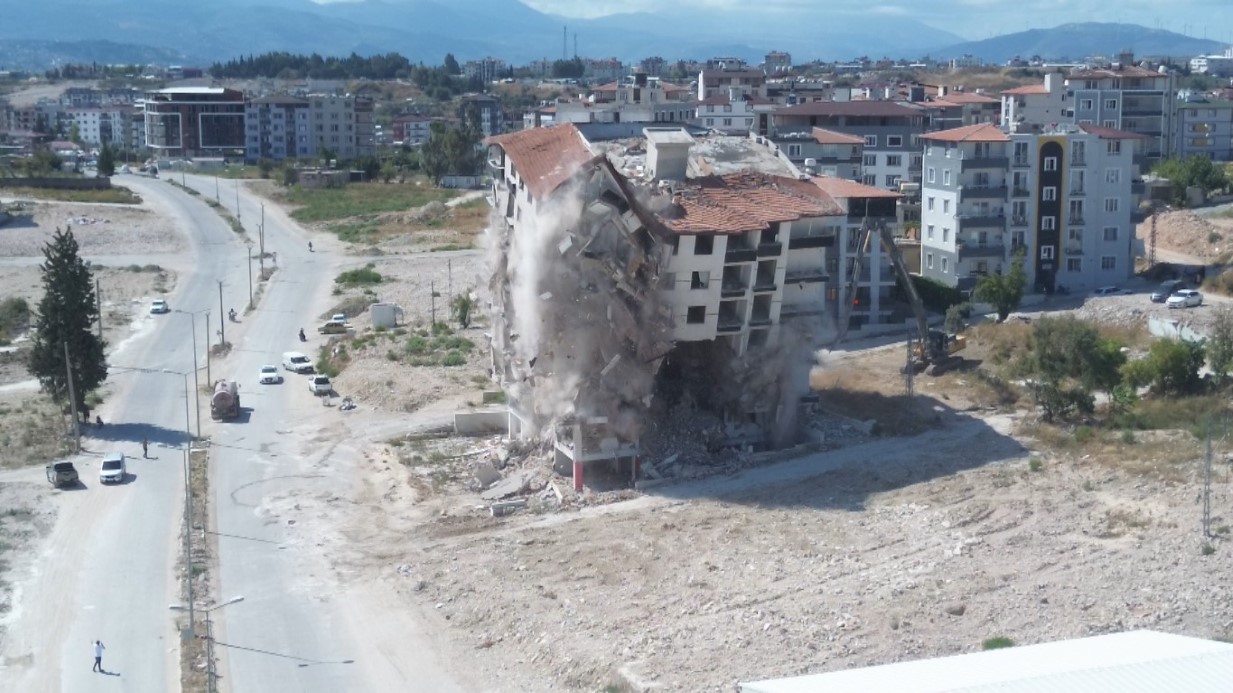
(759, 320)
(1018, 221)
(1077, 191)
(1074, 248)
(732, 289)
(773, 249)
(978, 162)
(1020, 192)
(975, 220)
(1021, 162)
(974, 249)
(815, 241)
(763, 285)
(796, 310)
(728, 323)
(1075, 218)
(991, 192)
(740, 254)
(1078, 161)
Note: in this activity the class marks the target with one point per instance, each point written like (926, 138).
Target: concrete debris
(511, 485)
(507, 507)
(486, 475)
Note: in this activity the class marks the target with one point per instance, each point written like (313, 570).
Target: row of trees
(1195, 171)
(274, 64)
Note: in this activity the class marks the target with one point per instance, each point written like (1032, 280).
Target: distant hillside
(1076, 41)
(35, 56)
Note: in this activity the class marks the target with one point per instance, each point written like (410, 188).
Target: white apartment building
(639, 99)
(1062, 197)
(342, 124)
(734, 113)
(1036, 103)
(86, 120)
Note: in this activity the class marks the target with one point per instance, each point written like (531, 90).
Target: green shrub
(454, 358)
(14, 317)
(998, 643)
(364, 276)
(1084, 434)
(417, 345)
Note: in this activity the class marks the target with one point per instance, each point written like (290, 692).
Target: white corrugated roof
(1140, 661)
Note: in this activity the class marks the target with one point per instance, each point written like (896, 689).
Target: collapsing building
(621, 295)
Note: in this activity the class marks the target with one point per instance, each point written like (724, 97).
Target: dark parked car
(62, 474)
(1167, 289)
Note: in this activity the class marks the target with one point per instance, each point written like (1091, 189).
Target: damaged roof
(743, 202)
(544, 157)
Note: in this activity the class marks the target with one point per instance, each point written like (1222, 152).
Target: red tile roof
(842, 188)
(544, 157)
(1028, 89)
(1105, 133)
(743, 202)
(981, 132)
(824, 136)
(967, 97)
(849, 108)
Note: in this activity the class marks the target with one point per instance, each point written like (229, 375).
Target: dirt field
(25, 516)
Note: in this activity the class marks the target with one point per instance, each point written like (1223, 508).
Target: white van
(296, 362)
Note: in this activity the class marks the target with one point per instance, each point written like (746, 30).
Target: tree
(451, 65)
(290, 176)
(106, 161)
(264, 167)
(1003, 291)
(388, 172)
(327, 156)
(462, 305)
(1196, 170)
(75, 134)
(371, 167)
(1220, 342)
(1171, 367)
(66, 315)
(956, 318)
(1067, 359)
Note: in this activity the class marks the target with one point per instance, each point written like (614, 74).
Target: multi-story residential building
(605, 70)
(890, 131)
(1205, 128)
(953, 109)
(194, 121)
(86, 123)
(824, 152)
(714, 82)
(654, 66)
(1036, 104)
(863, 206)
(1061, 196)
(638, 99)
(273, 127)
(1128, 98)
(777, 62)
(341, 124)
(486, 70)
(412, 130)
(735, 113)
(487, 108)
(1214, 65)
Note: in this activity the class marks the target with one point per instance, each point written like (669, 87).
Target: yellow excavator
(934, 350)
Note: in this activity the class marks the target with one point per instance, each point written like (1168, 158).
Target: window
(727, 108)
(1111, 204)
(1085, 104)
(699, 280)
(892, 181)
(946, 176)
(1113, 147)
(894, 140)
(945, 235)
(869, 180)
(1046, 252)
(696, 315)
(1050, 163)
(929, 260)
(1049, 194)
(1113, 175)
(929, 204)
(871, 140)
(1075, 235)
(1048, 223)
(1111, 104)
(930, 178)
(1074, 264)
(704, 244)
(894, 160)
(946, 206)
(794, 150)
(944, 262)
(727, 121)
(929, 232)
(676, 244)
(710, 108)
(1110, 124)
(669, 281)
(1108, 262)
(1110, 233)
(870, 160)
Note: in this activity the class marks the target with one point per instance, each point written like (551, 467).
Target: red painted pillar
(577, 476)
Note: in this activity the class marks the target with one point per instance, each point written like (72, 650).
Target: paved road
(107, 572)
(295, 627)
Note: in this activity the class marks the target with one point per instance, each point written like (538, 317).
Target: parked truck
(225, 402)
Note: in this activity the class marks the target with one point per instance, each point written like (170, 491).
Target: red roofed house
(1037, 104)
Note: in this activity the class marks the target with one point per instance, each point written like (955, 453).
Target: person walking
(98, 656)
(145, 449)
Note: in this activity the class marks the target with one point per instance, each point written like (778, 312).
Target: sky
(971, 19)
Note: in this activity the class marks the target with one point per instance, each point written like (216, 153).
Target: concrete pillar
(578, 476)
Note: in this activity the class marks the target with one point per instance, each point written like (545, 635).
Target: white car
(270, 375)
(1185, 298)
(1106, 291)
(112, 470)
(158, 306)
(320, 385)
(296, 362)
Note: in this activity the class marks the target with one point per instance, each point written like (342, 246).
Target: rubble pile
(1185, 232)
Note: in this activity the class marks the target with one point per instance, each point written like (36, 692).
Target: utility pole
(237, 200)
(250, 277)
(196, 382)
(98, 300)
(1207, 483)
(222, 326)
(207, 346)
(449, 280)
(216, 189)
(188, 514)
(261, 241)
(432, 288)
(68, 368)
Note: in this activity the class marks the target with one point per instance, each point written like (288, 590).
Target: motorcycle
(231, 315)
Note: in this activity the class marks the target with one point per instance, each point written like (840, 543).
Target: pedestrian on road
(145, 448)
(98, 656)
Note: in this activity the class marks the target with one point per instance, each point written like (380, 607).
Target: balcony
(740, 253)
(797, 310)
(764, 284)
(1021, 162)
(979, 220)
(728, 322)
(1077, 191)
(773, 249)
(1020, 192)
(1018, 221)
(973, 249)
(992, 192)
(811, 275)
(760, 320)
(979, 162)
(815, 241)
(1075, 219)
(1074, 248)
(733, 289)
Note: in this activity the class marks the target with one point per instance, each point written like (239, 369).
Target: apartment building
(953, 109)
(1205, 128)
(486, 70)
(412, 130)
(1061, 196)
(890, 131)
(487, 108)
(718, 81)
(735, 113)
(272, 127)
(341, 124)
(777, 62)
(637, 99)
(1036, 104)
(824, 152)
(194, 121)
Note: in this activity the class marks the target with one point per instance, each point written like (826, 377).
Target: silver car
(113, 469)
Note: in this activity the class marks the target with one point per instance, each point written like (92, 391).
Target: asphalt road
(108, 571)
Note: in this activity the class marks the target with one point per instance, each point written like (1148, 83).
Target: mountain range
(206, 31)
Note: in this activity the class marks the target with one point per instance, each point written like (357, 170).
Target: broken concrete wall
(578, 325)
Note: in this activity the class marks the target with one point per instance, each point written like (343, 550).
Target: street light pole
(250, 277)
(216, 189)
(222, 326)
(188, 513)
(237, 200)
(261, 241)
(207, 346)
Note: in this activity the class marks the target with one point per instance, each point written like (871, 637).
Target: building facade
(487, 108)
(824, 152)
(194, 121)
(1205, 128)
(1061, 197)
(890, 131)
(276, 128)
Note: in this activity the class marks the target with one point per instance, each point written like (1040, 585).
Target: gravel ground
(100, 230)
